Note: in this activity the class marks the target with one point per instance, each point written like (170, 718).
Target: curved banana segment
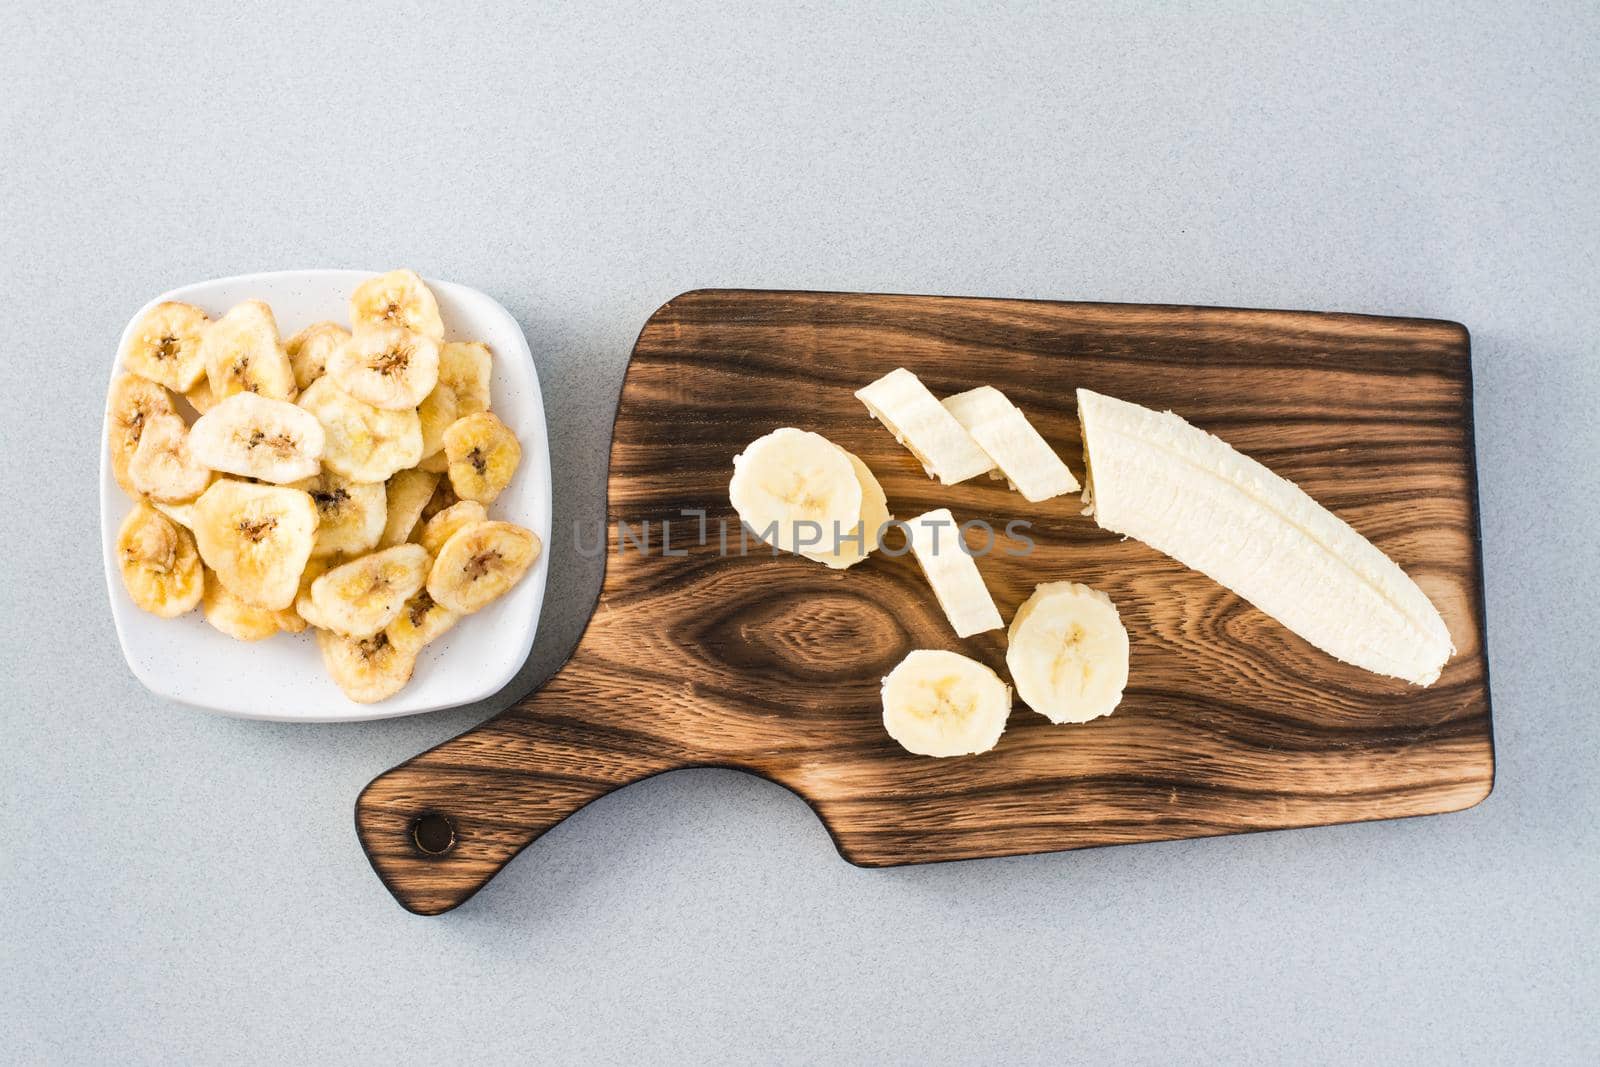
(165, 346)
(465, 367)
(904, 405)
(1027, 461)
(159, 564)
(938, 703)
(937, 543)
(363, 443)
(387, 367)
(797, 491)
(398, 298)
(367, 669)
(257, 437)
(359, 598)
(437, 412)
(162, 467)
(419, 622)
(444, 524)
(241, 621)
(408, 493)
(310, 349)
(350, 515)
(483, 454)
(243, 354)
(480, 563)
(133, 403)
(1067, 652)
(257, 538)
(1184, 492)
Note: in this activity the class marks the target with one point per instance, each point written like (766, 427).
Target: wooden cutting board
(696, 657)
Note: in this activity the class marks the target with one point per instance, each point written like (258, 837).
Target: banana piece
(938, 703)
(861, 540)
(1184, 492)
(364, 443)
(479, 563)
(359, 598)
(937, 543)
(439, 529)
(387, 366)
(350, 515)
(1067, 651)
(465, 367)
(159, 564)
(367, 669)
(258, 437)
(420, 621)
(398, 298)
(438, 410)
(200, 396)
(256, 538)
(798, 491)
(443, 497)
(241, 621)
(243, 354)
(1029, 464)
(408, 493)
(162, 467)
(946, 451)
(483, 455)
(438, 463)
(182, 514)
(309, 350)
(165, 346)
(316, 567)
(133, 402)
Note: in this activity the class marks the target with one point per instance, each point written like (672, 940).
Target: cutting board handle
(440, 825)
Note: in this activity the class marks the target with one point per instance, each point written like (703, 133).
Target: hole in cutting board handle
(433, 833)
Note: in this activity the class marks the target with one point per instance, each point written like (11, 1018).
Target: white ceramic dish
(282, 678)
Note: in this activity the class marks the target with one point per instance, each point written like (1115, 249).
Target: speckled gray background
(181, 887)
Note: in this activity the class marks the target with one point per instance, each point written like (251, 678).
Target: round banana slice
(794, 489)
(465, 366)
(133, 402)
(257, 437)
(436, 412)
(350, 515)
(165, 346)
(309, 350)
(241, 621)
(938, 703)
(408, 493)
(420, 621)
(359, 598)
(1067, 651)
(160, 566)
(242, 354)
(367, 669)
(388, 367)
(398, 298)
(850, 546)
(439, 529)
(163, 467)
(364, 443)
(257, 538)
(479, 563)
(483, 455)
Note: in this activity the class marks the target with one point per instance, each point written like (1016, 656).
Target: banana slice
(182, 514)
(1067, 651)
(937, 543)
(350, 514)
(165, 346)
(439, 529)
(938, 703)
(242, 354)
(134, 401)
(257, 437)
(436, 413)
(420, 621)
(946, 451)
(359, 598)
(257, 538)
(408, 493)
(159, 564)
(1154, 477)
(855, 544)
(479, 563)
(483, 455)
(309, 350)
(200, 396)
(465, 367)
(368, 669)
(1003, 432)
(799, 492)
(163, 467)
(388, 367)
(242, 621)
(398, 298)
(364, 443)
(304, 607)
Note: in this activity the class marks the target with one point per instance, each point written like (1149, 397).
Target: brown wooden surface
(772, 665)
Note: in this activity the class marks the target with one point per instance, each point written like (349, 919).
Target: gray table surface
(178, 886)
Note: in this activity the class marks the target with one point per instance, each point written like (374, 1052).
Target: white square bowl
(282, 678)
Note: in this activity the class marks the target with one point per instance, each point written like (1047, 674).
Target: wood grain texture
(772, 664)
